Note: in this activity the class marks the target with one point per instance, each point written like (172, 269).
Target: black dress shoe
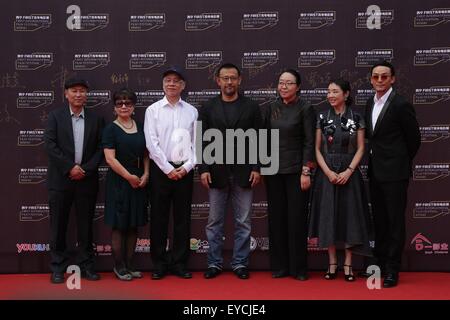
(90, 275)
(280, 274)
(212, 272)
(242, 273)
(57, 277)
(302, 276)
(391, 280)
(182, 274)
(158, 275)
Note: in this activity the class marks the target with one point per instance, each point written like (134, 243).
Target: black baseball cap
(72, 82)
(175, 69)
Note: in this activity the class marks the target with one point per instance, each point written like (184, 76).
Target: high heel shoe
(331, 275)
(122, 274)
(348, 276)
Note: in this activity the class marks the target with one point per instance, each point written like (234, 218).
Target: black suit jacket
(212, 116)
(395, 140)
(59, 144)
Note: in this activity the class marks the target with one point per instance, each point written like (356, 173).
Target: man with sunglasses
(394, 139)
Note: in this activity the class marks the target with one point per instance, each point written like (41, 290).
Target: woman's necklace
(128, 128)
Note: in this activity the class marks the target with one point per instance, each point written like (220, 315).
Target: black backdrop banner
(129, 43)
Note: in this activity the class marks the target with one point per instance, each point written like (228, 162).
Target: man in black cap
(72, 141)
(169, 128)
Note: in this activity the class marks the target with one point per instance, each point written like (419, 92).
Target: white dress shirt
(170, 134)
(378, 106)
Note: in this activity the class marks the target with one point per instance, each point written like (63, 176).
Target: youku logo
(422, 244)
(32, 247)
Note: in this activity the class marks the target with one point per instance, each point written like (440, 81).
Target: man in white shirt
(169, 128)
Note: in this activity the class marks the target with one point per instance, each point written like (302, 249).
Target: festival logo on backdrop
(259, 21)
(147, 98)
(90, 61)
(90, 22)
(432, 171)
(147, 60)
(431, 57)
(33, 61)
(199, 245)
(99, 211)
(97, 98)
(202, 22)
(367, 58)
(34, 99)
(34, 213)
(259, 59)
(316, 19)
(259, 209)
(431, 95)
(102, 171)
(314, 96)
(316, 58)
(262, 96)
(385, 17)
(200, 211)
(432, 17)
(423, 244)
(203, 60)
(362, 95)
(197, 98)
(435, 132)
(431, 210)
(30, 138)
(32, 175)
(32, 22)
(146, 22)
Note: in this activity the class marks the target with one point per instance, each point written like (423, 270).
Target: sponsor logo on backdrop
(362, 95)
(432, 171)
(147, 60)
(364, 168)
(203, 21)
(34, 99)
(32, 175)
(261, 243)
(90, 22)
(203, 60)
(34, 213)
(147, 22)
(200, 211)
(314, 96)
(430, 210)
(253, 244)
(316, 19)
(33, 61)
(99, 211)
(91, 60)
(432, 17)
(423, 244)
(385, 17)
(102, 171)
(30, 138)
(259, 21)
(367, 58)
(199, 245)
(313, 245)
(146, 98)
(259, 210)
(431, 95)
(103, 249)
(97, 98)
(143, 245)
(32, 22)
(262, 96)
(431, 57)
(316, 58)
(435, 132)
(259, 59)
(32, 247)
(197, 98)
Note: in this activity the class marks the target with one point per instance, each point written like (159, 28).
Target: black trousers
(287, 205)
(60, 204)
(388, 207)
(165, 193)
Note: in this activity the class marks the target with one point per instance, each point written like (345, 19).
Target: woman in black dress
(126, 192)
(339, 207)
(287, 191)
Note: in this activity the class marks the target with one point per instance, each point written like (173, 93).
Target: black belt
(177, 163)
(133, 163)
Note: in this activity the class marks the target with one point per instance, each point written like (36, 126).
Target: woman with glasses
(287, 191)
(126, 193)
(339, 207)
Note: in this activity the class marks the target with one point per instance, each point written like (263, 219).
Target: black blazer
(395, 141)
(59, 144)
(212, 116)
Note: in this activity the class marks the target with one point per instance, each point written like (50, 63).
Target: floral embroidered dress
(339, 214)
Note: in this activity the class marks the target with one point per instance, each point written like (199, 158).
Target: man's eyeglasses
(381, 77)
(228, 79)
(126, 103)
(287, 84)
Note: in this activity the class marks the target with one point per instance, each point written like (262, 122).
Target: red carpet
(413, 286)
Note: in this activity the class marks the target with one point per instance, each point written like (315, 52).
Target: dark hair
(295, 73)
(125, 93)
(384, 63)
(345, 87)
(227, 66)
